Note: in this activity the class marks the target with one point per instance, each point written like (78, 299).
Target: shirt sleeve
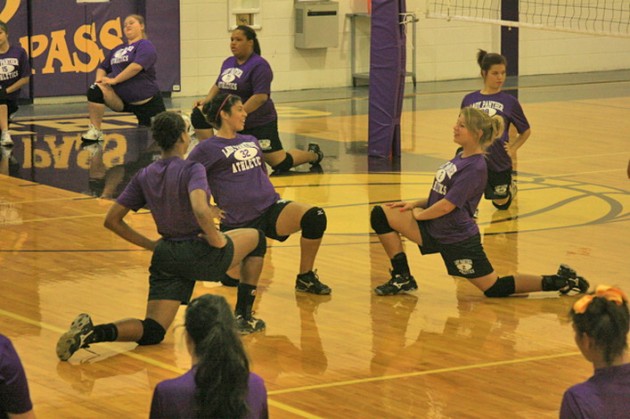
(132, 196)
(106, 64)
(465, 186)
(518, 118)
(198, 179)
(156, 405)
(14, 393)
(145, 55)
(25, 67)
(569, 408)
(261, 78)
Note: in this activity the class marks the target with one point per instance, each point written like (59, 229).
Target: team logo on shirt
(228, 77)
(245, 154)
(8, 68)
(465, 266)
(447, 169)
(121, 56)
(489, 106)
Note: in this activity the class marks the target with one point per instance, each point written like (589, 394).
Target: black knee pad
(95, 94)
(153, 333)
(197, 119)
(503, 287)
(3, 96)
(314, 223)
(378, 221)
(285, 165)
(261, 249)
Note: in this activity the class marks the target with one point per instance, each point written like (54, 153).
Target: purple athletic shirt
(510, 109)
(462, 182)
(605, 395)
(141, 86)
(245, 80)
(13, 67)
(14, 394)
(237, 177)
(164, 187)
(175, 398)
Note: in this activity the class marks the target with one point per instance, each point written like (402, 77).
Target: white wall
(444, 50)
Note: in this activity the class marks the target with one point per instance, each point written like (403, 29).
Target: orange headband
(603, 291)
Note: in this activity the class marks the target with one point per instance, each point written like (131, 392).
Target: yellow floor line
(420, 373)
(147, 360)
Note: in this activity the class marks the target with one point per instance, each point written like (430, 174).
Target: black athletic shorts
(267, 135)
(146, 111)
(498, 185)
(176, 265)
(266, 222)
(465, 258)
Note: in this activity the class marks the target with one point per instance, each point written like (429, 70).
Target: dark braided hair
(607, 323)
(223, 368)
(166, 128)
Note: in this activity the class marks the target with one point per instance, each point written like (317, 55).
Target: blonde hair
(490, 127)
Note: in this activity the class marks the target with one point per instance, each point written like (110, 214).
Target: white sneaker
(92, 134)
(5, 139)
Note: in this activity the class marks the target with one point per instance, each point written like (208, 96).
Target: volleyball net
(593, 17)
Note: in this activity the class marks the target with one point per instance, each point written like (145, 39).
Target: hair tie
(603, 291)
(216, 117)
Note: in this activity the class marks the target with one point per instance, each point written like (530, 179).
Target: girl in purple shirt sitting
(126, 81)
(247, 74)
(601, 324)
(443, 223)
(219, 385)
(240, 186)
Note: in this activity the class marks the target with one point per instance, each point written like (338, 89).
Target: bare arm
(255, 102)
(437, 210)
(516, 143)
(17, 85)
(214, 90)
(205, 217)
(100, 73)
(408, 206)
(114, 221)
(129, 72)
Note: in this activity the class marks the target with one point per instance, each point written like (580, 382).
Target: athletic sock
(400, 265)
(103, 333)
(245, 297)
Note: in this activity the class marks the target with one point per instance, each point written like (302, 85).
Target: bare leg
(96, 112)
(4, 118)
(162, 311)
(245, 241)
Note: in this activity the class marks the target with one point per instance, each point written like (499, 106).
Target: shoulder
(144, 44)
(258, 61)
(18, 49)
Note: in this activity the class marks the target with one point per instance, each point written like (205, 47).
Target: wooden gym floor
(443, 351)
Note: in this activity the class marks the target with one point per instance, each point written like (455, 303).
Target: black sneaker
(574, 284)
(314, 148)
(396, 284)
(75, 338)
(309, 282)
(251, 325)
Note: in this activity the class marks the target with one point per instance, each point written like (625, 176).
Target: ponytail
(223, 368)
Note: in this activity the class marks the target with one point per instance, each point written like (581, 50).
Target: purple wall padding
(387, 77)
